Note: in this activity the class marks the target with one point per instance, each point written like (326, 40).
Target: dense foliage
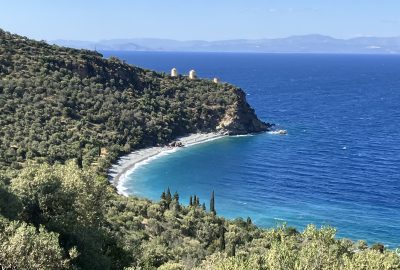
(67, 217)
(65, 115)
(58, 103)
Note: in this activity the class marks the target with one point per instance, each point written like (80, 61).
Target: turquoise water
(339, 165)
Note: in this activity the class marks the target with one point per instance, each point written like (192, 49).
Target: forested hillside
(66, 114)
(58, 103)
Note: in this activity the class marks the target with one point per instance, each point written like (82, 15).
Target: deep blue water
(339, 165)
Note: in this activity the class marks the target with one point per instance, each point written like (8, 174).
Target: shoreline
(125, 165)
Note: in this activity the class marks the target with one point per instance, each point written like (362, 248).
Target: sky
(94, 20)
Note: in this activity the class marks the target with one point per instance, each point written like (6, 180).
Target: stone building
(192, 74)
(174, 72)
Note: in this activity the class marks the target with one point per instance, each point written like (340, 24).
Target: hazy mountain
(294, 44)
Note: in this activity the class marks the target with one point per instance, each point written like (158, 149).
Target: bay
(339, 165)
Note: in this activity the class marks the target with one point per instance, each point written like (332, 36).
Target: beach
(128, 163)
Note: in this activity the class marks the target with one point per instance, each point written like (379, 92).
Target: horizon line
(216, 40)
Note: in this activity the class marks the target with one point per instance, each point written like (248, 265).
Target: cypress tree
(233, 250)
(212, 203)
(194, 200)
(79, 159)
(168, 196)
(175, 202)
(197, 201)
(163, 197)
(163, 201)
(191, 201)
(176, 196)
(248, 221)
(204, 206)
(222, 239)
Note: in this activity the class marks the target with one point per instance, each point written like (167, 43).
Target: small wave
(204, 141)
(122, 190)
(243, 135)
(278, 132)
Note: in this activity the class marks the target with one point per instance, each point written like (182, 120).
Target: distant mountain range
(294, 44)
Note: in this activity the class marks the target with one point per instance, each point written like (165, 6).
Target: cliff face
(240, 118)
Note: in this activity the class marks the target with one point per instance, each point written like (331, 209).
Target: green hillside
(57, 102)
(66, 115)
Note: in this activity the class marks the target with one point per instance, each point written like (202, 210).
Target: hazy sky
(198, 19)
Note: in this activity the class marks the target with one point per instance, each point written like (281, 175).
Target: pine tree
(212, 203)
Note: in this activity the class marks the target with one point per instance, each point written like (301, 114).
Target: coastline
(125, 165)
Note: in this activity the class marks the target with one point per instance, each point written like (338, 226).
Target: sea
(338, 165)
